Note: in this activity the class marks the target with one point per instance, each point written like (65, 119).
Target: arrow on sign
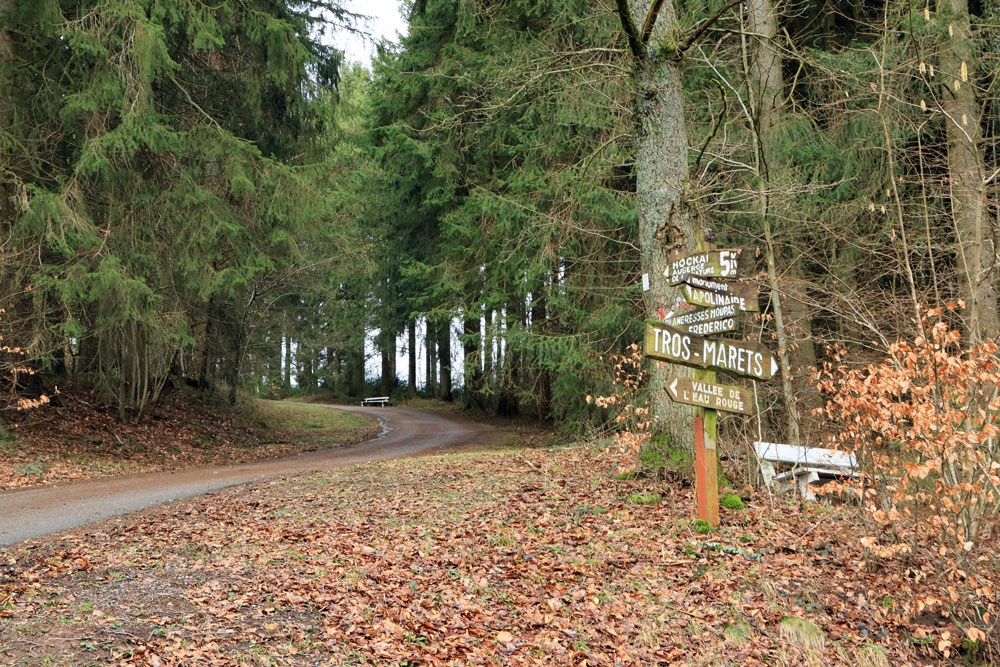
(710, 395)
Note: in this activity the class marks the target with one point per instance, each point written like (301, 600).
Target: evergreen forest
(210, 195)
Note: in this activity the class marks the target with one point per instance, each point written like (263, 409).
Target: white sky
(385, 22)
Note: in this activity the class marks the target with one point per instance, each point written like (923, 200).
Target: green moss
(644, 498)
(701, 526)
(731, 502)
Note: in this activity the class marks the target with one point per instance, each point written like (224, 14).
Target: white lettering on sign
(696, 316)
(717, 263)
(673, 343)
(731, 358)
(713, 327)
(711, 299)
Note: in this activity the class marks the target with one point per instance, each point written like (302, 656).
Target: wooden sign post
(708, 280)
(706, 460)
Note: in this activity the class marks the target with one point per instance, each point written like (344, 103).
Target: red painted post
(701, 471)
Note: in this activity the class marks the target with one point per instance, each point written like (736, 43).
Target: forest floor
(501, 557)
(76, 438)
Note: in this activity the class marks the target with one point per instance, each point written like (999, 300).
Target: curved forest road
(35, 512)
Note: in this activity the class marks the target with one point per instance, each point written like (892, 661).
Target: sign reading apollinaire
(714, 293)
(710, 395)
(710, 263)
(735, 356)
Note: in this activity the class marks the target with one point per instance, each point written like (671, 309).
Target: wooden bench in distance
(811, 464)
(380, 401)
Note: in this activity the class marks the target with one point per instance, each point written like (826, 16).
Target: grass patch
(737, 632)
(803, 632)
(644, 498)
(315, 426)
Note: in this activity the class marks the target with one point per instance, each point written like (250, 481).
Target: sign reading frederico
(735, 356)
(710, 395)
(710, 327)
(715, 293)
(711, 263)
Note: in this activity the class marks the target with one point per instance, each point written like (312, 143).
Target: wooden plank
(710, 327)
(739, 357)
(698, 315)
(808, 456)
(710, 395)
(713, 293)
(709, 263)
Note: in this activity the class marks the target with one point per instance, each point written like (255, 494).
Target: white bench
(380, 401)
(811, 464)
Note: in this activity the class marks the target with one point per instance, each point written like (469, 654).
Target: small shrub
(925, 427)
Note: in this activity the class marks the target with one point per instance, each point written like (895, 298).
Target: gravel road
(35, 512)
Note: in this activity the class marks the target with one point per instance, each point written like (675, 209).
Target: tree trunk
(473, 368)
(541, 390)
(975, 245)
(431, 343)
(661, 176)
(288, 360)
(488, 347)
(444, 347)
(763, 67)
(388, 379)
(411, 351)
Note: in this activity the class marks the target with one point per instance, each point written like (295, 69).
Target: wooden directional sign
(735, 356)
(710, 395)
(710, 327)
(697, 316)
(710, 263)
(713, 293)
(707, 322)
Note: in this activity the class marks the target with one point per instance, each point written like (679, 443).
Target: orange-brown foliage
(924, 425)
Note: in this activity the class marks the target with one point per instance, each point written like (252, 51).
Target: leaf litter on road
(515, 558)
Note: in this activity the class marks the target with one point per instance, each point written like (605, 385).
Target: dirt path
(31, 513)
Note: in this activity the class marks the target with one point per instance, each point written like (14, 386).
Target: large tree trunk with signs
(976, 244)
(661, 177)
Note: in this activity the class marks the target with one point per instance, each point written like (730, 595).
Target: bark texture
(975, 242)
(661, 179)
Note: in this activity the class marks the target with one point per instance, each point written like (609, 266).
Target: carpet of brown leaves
(75, 437)
(516, 558)
(513, 558)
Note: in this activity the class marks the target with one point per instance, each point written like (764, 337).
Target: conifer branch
(647, 27)
(705, 26)
(628, 25)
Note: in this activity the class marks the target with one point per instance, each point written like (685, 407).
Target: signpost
(708, 395)
(739, 357)
(714, 293)
(708, 279)
(696, 316)
(708, 263)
